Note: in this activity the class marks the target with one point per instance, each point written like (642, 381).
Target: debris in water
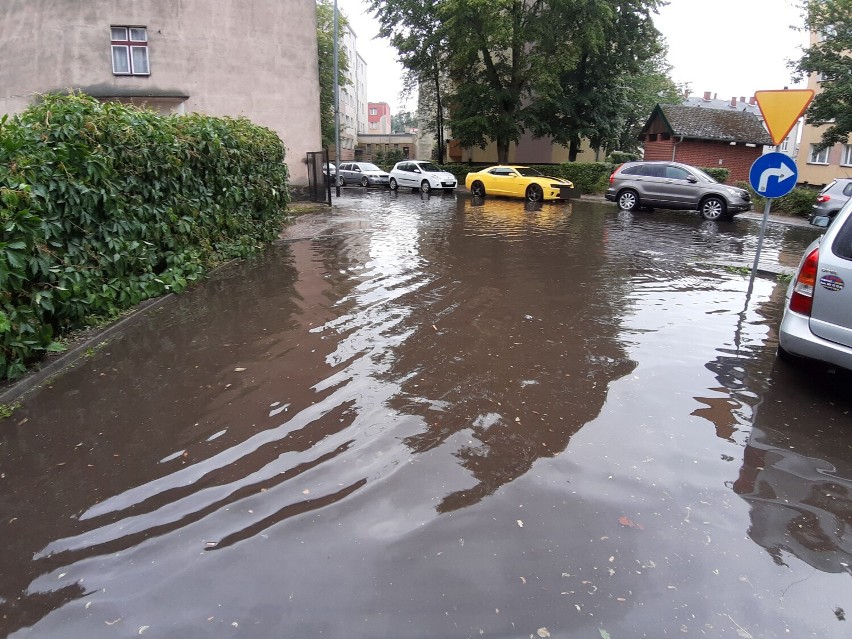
(542, 632)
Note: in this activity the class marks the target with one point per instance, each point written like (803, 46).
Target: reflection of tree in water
(800, 505)
(515, 343)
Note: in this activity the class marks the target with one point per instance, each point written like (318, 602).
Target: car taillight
(802, 300)
(823, 198)
(612, 176)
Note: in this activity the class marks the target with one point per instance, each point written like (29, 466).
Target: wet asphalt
(429, 416)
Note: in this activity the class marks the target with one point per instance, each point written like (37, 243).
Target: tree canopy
(325, 55)
(829, 56)
(561, 68)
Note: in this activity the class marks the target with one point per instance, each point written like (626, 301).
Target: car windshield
(528, 172)
(703, 176)
(366, 166)
(428, 166)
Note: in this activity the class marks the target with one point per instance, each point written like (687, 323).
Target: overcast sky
(727, 47)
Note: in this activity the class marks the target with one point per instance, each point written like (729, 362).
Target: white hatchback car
(422, 175)
(817, 322)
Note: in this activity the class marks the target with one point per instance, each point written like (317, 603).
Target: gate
(319, 186)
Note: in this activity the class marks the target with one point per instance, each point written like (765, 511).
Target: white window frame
(129, 50)
(820, 157)
(846, 159)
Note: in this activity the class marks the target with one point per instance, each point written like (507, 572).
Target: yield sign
(781, 109)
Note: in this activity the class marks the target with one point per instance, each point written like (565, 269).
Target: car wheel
(425, 187)
(365, 182)
(713, 208)
(534, 193)
(393, 185)
(477, 189)
(628, 200)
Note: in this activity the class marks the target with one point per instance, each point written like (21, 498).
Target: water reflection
(324, 440)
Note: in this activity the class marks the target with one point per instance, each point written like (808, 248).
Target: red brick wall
(704, 153)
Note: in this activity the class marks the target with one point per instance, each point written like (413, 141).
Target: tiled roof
(698, 123)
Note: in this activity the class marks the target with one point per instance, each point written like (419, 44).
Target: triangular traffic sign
(781, 109)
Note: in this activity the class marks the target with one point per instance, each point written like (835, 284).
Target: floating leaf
(604, 634)
(543, 632)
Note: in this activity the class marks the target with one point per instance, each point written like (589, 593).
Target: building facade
(352, 97)
(256, 60)
(379, 118)
(817, 166)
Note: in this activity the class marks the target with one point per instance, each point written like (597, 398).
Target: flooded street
(425, 417)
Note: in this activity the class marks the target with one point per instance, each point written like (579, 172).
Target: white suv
(419, 174)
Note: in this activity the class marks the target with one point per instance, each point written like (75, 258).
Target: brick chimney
(707, 96)
(733, 103)
(752, 101)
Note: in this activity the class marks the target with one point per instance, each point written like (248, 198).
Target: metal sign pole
(766, 208)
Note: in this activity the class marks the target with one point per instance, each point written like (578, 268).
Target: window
(818, 156)
(847, 155)
(374, 111)
(129, 50)
(676, 173)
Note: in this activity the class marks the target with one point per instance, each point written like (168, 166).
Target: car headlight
(736, 192)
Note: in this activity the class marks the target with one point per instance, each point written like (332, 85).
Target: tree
(505, 58)
(595, 90)
(419, 38)
(402, 122)
(651, 86)
(325, 55)
(830, 58)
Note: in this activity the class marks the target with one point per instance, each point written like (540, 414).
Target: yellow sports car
(518, 181)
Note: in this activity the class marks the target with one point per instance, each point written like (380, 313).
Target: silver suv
(817, 321)
(832, 197)
(672, 185)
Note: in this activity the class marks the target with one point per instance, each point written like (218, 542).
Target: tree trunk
(502, 150)
(440, 118)
(573, 150)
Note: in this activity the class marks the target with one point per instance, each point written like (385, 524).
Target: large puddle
(422, 417)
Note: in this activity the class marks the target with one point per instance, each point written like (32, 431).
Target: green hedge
(798, 202)
(104, 205)
(718, 173)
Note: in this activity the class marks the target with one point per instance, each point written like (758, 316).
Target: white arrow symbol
(781, 173)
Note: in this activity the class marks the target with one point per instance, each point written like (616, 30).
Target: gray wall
(256, 59)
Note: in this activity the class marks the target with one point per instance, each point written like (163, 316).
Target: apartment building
(226, 58)
(818, 167)
(352, 97)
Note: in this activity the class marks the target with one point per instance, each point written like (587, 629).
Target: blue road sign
(773, 175)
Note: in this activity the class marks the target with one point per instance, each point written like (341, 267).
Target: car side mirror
(822, 221)
(417, 170)
(692, 179)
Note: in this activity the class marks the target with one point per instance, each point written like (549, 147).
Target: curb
(75, 354)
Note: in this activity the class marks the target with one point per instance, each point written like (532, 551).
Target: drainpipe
(674, 147)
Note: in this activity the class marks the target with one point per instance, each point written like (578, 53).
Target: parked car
(363, 173)
(518, 181)
(672, 185)
(329, 169)
(418, 174)
(832, 197)
(817, 321)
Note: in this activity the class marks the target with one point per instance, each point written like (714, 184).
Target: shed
(705, 137)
